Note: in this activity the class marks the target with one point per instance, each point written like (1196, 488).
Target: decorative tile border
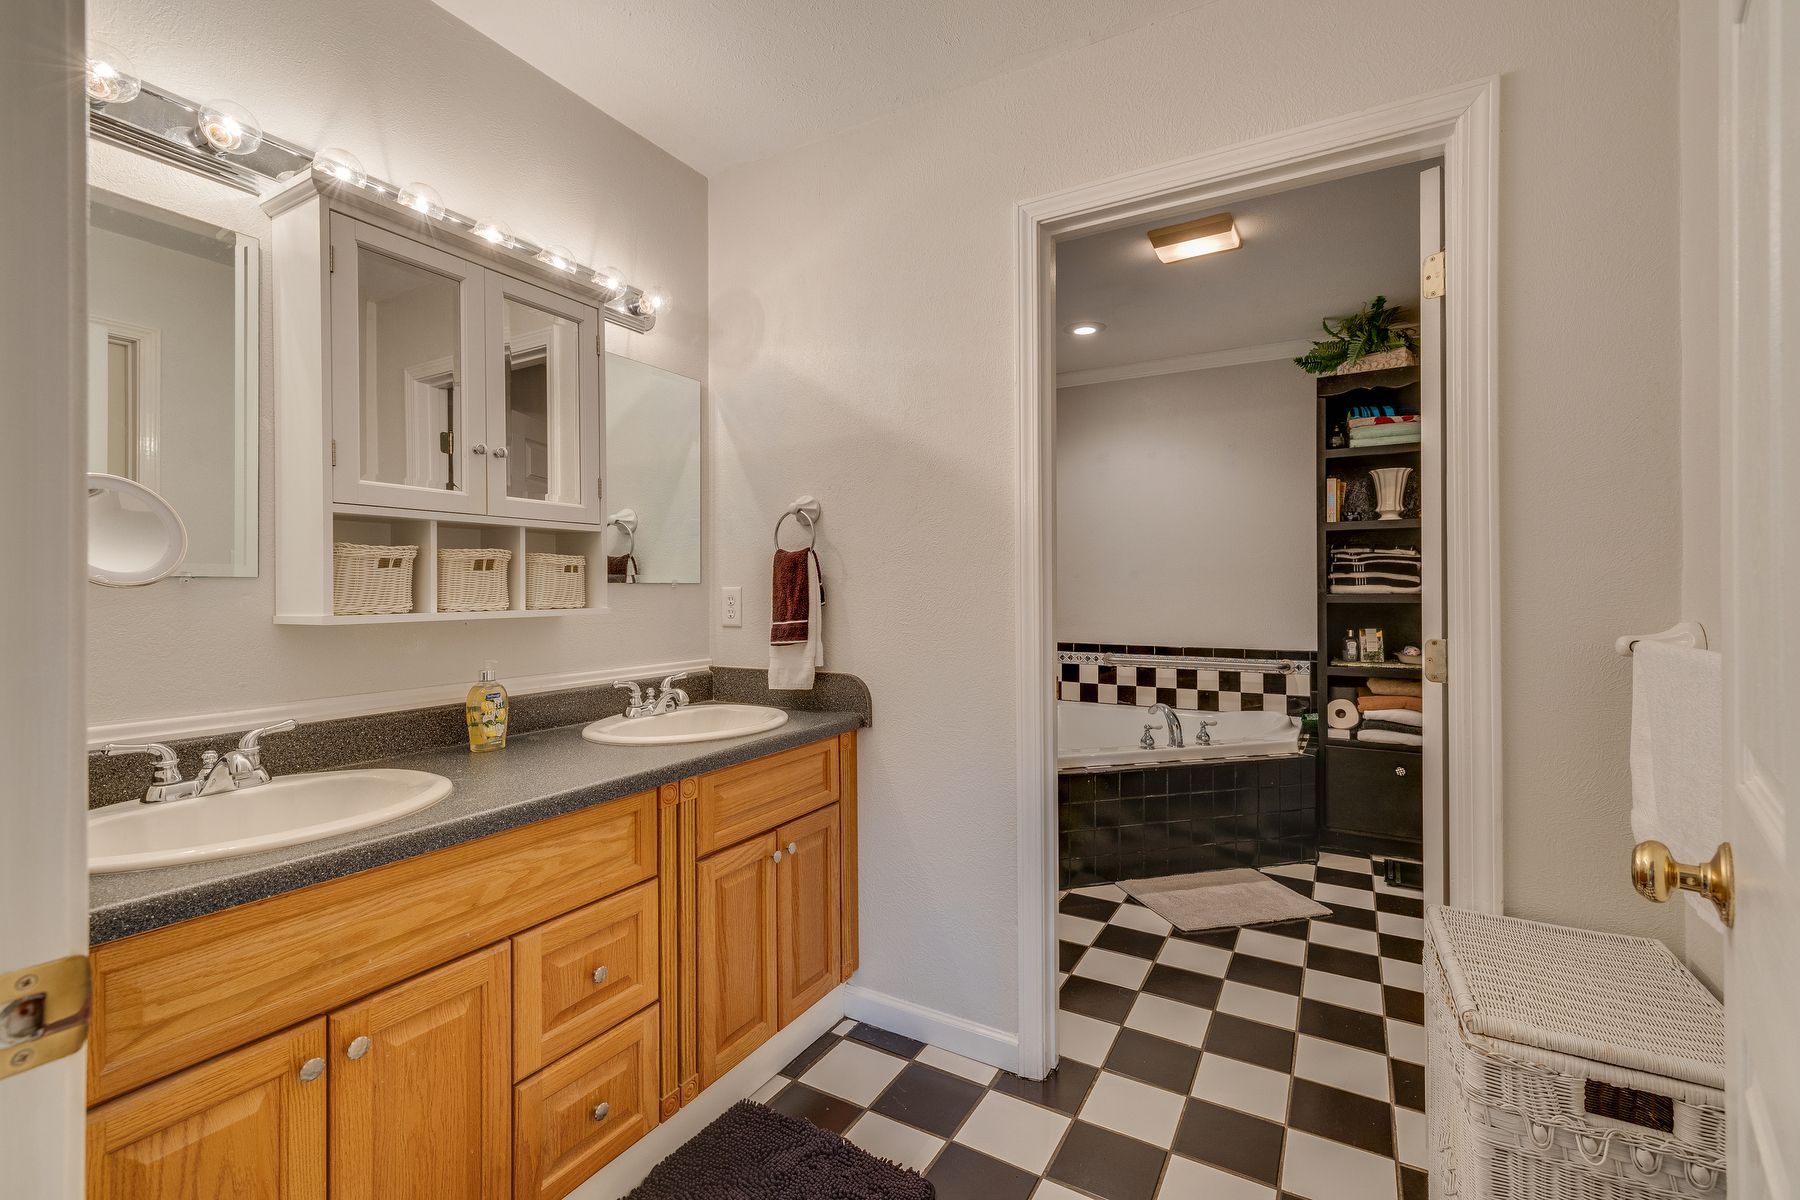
(1086, 677)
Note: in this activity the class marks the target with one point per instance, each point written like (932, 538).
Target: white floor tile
(1331, 893)
(956, 1064)
(1013, 1131)
(1185, 1179)
(1292, 870)
(1363, 941)
(1382, 885)
(1259, 1004)
(1397, 972)
(1195, 956)
(1406, 1040)
(1243, 1086)
(1314, 1166)
(769, 1090)
(894, 1141)
(1342, 990)
(1101, 891)
(1408, 927)
(1083, 1038)
(843, 1027)
(1409, 1131)
(853, 1072)
(1271, 946)
(1136, 916)
(1047, 1190)
(1169, 1019)
(1079, 930)
(1134, 1109)
(1341, 1066)
(1109, 966)
(1345, 862)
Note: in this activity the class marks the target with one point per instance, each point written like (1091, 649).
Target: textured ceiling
(721, 82)
(1310, 253)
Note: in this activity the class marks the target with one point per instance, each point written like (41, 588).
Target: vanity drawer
(174, 996)
(744, 801)
(557, 1001)
(560, 1134)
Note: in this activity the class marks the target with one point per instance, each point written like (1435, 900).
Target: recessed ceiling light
(1086, 328)
(1208, 235)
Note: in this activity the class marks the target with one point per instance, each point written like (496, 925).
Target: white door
(1760, 62)
(1431, 536)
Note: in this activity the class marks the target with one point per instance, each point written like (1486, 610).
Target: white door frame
(1461, 125)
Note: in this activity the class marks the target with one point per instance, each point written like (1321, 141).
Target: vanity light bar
(160, 124)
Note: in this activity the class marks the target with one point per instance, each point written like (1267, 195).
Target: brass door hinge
(600, 488)
(1431, 278)
(334, 452)
(43, 1013)
(600, 345)
(1437, 660)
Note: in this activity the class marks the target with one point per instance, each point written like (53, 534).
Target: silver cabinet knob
(793, 849)
(1399, 770)
(600, 974)
(499, 451)
(778, 856)
(478, 448)
(358, 1048)
(602, 1110)
(311, 1069)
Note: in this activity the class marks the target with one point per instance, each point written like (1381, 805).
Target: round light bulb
(111, 77)
(422, 198)
(229, 128)
(341, 165)
(657, 300)
(558, 258)
(610, 280)
(493, 232)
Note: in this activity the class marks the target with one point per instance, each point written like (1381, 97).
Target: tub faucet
(1174, 723)
(1201, 736)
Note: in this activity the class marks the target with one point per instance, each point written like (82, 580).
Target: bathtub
(1092, 736)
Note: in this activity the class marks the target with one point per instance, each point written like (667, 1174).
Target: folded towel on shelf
(1411, 717)
(1388, 737)
(1369, 702)
(1378, 435)
(621, 568)
(797, 627)
(1375, 569)
(1396, 687)
(1372, 723)
(1392, 419)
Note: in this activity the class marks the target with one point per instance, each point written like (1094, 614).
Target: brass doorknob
(1657, 876)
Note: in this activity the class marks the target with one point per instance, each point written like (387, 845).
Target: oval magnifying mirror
(134, 537)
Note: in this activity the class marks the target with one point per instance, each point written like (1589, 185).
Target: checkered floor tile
(1284, 1061)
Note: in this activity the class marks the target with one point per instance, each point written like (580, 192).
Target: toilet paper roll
(1342, 714)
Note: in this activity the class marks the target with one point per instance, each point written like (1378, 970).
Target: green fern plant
(1369, 330)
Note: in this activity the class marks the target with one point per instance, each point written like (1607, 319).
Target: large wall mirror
(652, 474)
(173, 361)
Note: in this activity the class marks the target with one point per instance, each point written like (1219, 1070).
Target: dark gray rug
(755, 1153)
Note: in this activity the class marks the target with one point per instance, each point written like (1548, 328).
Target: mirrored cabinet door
(410, 415)
(544, 388)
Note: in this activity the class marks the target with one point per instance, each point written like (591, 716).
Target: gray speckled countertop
(538, 775)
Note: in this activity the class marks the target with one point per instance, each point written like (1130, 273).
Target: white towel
(1677, 754)
(791, 667)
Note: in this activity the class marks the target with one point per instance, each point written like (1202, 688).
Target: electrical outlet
(731, 608)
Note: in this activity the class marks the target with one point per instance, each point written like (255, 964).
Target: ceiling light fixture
(111, 79)
(1086, 328)
(422, 198)
(493, 232)
(342, 166)
(1191, 239)
(229, 128)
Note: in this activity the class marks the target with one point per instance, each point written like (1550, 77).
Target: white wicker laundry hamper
(1564, 1064)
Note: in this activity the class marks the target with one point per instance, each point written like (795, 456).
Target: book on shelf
(1334, 499)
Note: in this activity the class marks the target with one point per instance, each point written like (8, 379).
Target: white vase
(1390, 491)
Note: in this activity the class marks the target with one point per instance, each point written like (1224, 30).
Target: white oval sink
(286, 811)
(693, 723)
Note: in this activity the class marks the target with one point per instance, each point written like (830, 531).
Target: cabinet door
(249, 1125)
(408, 372)
(809, 910)
(585, 1109)
(545, 406)
(737, 954)
(421, 1079)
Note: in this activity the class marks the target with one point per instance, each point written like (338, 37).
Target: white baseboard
(983, 1043)
(328, 708)
(628, 1170)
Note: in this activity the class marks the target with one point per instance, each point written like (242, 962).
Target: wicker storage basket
(473, 580)
(555, 580)
(1567, 1063)
(371, 579)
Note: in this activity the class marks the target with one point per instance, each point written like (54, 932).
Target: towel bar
(1684, 633)
(808, 511)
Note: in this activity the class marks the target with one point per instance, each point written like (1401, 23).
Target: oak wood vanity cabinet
(499, 1018)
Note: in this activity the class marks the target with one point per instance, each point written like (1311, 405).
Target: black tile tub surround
(1169, 820)
(1189, 689)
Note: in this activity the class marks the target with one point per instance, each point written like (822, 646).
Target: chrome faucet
(231, 771)
(1201, 736)
(1174, 723)
(646, 702)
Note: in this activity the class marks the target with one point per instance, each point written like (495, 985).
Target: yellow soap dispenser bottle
(486, 710)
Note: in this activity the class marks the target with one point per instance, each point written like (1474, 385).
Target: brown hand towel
(789, 601)
(621, 568)
(1368, 701)
(1396, 687)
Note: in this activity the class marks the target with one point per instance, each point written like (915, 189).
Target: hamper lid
(1599, 996)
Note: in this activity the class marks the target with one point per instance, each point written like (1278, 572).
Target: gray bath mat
(755, 1153)
(1221, 900)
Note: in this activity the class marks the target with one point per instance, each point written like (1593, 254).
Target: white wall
(416, 95)
(863, 349)
(1184, 510)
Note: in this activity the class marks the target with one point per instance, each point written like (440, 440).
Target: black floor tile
(964, 1174)
(1251, 1042)
(1107, 1164)
(1188, 987)
(1224, 939)
(1302, 886)
(1225, 1137)
(1414, 1184)
(1287, 929)
(1409, 1083)
(812, 1054)
(1068, 954)
(1403, 948)
(1343, 962)
(1064, 1089)
(1349, 879)
(827, 1112)
(1350, 917)
(1153, 1060)
(1350, 1026)
(929, 1099)
(1265, 973)
(881, 1039)
(1404, 1004)
(1400, 906)
(1134, 942)
(1346, 1117)
(1102, 1001)
(1091, 907)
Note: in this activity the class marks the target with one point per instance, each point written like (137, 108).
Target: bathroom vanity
(538, 980)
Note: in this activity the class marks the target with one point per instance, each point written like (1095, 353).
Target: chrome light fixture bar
(199, 137)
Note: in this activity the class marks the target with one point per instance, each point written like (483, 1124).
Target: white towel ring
(808, 511)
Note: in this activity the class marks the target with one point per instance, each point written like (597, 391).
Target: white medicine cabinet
(434, 392)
